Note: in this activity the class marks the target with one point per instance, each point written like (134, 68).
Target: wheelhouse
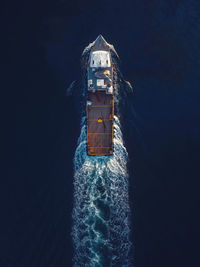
(100, 59)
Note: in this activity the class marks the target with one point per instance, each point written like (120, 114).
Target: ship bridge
(100, 59)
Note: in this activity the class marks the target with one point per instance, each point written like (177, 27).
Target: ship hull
(100, 104)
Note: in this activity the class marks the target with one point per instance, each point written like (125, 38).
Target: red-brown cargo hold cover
(100, 112)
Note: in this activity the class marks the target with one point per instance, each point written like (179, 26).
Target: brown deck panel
(95, 113)
(100, 134)
(103, 127)
(99, 140)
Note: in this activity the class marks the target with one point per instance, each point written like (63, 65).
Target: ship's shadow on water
(101, 231)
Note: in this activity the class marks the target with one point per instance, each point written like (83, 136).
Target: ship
(99, 101)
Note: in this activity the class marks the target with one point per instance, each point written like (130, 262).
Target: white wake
(101, 231)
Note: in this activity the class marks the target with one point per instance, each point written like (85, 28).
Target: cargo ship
(100, 103)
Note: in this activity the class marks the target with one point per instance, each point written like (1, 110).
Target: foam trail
(101, 208)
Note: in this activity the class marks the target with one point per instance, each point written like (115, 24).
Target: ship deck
(100, 123)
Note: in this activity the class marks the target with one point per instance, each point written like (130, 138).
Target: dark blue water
(158, 43)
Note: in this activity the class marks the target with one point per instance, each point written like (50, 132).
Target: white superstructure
(100, 59)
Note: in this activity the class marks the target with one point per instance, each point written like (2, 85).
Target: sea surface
(158, 45)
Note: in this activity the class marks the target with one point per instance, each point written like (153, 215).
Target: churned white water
(101, 227)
